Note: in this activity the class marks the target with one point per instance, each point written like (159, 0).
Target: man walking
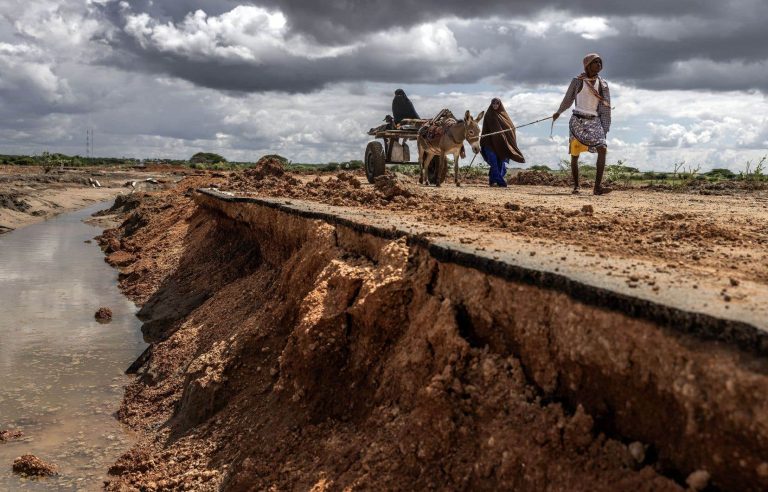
(590, 121)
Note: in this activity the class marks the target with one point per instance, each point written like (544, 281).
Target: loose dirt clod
(390, 187)
(637, 450)
(30, 465)
(266, 166)
(698, 480)
(103, 314)
(10, 435)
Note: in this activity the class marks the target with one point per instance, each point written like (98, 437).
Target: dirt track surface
(708, 235)
(287, 354)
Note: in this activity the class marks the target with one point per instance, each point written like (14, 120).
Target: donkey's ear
(467, 116)
(480, 116)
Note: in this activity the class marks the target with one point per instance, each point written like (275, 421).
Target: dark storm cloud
(707, 49)
(339, 20)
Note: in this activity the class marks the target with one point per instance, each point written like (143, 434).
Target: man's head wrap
(590, 58)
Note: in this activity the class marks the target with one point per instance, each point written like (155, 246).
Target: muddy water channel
(61, 372)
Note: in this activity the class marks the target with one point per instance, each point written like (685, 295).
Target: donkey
(451, 142)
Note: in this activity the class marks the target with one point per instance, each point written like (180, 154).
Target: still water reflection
(61, 372)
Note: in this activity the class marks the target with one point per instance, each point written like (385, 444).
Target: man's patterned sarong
(588, 131)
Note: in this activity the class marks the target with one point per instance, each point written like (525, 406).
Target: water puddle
(61, 372)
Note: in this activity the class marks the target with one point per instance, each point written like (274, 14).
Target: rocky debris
(4, 229)
(390, 187)
(349, 178)
(103, 314)
(10, 435)
(698, 480)
(588, 209)
(30, 465)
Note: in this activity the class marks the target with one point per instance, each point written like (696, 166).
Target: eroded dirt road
(294, 353)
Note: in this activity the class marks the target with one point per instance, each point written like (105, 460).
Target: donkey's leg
(442, 163)
(426, 159)
(422, 156)
(456, 158)
(420, 150)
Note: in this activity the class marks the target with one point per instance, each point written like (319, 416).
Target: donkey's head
(472, 130)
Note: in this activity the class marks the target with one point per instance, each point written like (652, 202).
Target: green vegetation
(620, 172)
(49, 160)
(681, 176)
(207, 158)
(719, 173)
(329, 167)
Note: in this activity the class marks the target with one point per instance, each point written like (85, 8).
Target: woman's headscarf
(504, 145)
(402, 107)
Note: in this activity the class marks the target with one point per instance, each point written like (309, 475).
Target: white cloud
(590, 27)
(25, 72)
(247, 33)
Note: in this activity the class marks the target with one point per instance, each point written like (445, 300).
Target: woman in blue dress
(499, 148)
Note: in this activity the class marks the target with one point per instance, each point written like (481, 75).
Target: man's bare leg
(575, 173)
(599, 189)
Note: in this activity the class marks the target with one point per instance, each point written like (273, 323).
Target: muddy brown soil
(291, 354)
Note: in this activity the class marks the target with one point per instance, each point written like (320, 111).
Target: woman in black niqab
(498, 149)
(402, 107)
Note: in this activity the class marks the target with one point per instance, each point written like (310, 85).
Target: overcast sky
(307, 78)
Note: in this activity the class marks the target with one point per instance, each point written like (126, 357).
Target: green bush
(206, 158)
(720, 173)
(587, 171)
(280, 158)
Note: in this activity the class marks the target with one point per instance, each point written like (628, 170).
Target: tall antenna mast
(89, 142)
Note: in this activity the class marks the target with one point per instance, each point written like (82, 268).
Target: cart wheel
(374, 161)
(436, 175)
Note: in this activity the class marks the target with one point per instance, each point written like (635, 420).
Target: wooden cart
(394, 149)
